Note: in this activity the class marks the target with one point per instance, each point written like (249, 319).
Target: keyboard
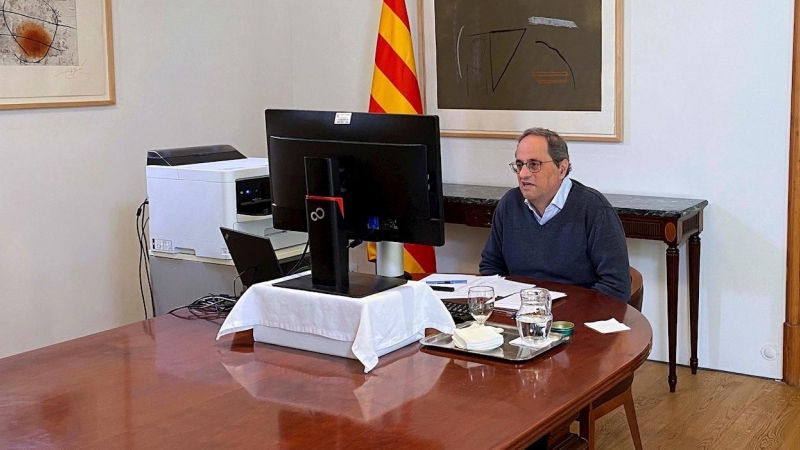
(459, 311)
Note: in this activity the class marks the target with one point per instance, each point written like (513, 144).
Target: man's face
(539, 188)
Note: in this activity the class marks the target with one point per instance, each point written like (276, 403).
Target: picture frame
(56, 54)
(467, 103)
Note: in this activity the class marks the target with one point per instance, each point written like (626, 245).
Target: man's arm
(492, 261)
(608, 251)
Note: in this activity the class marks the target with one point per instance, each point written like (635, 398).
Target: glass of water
(481, 303)
(535, 315)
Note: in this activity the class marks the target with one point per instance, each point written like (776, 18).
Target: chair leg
(586, 422)
(633, 424)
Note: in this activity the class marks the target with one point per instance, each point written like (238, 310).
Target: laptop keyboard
(459, 311)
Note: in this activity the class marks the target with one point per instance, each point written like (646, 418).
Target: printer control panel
(253, 197)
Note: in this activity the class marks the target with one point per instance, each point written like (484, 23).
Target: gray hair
(556, 146)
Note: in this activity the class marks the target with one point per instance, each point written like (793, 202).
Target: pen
(447, 282)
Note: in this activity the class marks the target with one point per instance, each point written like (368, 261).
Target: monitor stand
(329, 250)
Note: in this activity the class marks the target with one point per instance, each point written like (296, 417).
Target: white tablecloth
(371, 323)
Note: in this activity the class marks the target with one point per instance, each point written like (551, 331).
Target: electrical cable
(297, 266)
(141, 287)
(140, 234)
(208, 307)
(239, 277)
(299, 261)
(214, 306)
(146, 245)
(147, 266)
(303, 268)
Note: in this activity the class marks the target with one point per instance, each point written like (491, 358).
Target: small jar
(563, 328)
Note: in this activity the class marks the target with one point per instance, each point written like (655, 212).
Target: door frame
(791, 327)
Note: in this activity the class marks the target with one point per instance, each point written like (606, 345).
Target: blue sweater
(583, 245)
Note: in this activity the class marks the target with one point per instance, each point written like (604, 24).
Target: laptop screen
(253, 256)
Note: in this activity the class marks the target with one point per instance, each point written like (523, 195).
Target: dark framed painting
(495, 68)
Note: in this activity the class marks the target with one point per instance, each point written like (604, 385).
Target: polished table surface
(166, 383)
(670, 220)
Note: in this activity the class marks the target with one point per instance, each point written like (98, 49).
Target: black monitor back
(392, 171)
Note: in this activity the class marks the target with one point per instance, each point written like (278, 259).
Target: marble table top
(635, 205)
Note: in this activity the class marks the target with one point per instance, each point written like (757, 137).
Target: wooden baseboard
(791, 351)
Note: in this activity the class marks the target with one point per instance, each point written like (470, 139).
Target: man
(553, 228)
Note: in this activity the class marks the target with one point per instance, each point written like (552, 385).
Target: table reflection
(346, 389)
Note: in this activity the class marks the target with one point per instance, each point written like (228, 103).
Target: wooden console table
(670, 220)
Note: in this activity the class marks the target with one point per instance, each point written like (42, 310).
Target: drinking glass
(481, 303)
(535, 316)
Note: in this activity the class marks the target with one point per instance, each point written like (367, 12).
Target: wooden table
(670, 220)
(166, 383)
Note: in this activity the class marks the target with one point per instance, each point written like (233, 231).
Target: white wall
(706, 116)
(72, 177)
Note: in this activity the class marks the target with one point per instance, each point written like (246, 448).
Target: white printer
(196, 190)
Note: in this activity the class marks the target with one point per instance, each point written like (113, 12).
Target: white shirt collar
(556, 204)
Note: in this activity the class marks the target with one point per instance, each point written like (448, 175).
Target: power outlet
(164, 245)
(353, 267)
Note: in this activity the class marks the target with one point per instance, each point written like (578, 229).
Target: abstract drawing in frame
(495, 68)
(56, 53)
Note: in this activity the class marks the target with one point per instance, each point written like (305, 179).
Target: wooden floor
(710, 410)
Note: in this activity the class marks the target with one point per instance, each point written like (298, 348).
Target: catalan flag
(395, 90)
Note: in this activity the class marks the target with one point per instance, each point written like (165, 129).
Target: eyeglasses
(532, 165)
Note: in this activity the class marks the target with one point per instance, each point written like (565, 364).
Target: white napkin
(530, 344)
(607, 326)
(476, 337)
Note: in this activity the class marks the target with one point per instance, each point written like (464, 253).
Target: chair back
(637, 290)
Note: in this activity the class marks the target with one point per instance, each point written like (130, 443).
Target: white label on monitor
(342, 118)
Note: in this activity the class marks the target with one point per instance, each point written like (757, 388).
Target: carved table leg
(673, 258)
(694, 295)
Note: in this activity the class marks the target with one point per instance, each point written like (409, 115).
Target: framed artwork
(56, 53)
(494, 68)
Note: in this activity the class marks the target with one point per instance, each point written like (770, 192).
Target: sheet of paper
(507, 289)
(513, 301)
(501, 286)
(459, 289)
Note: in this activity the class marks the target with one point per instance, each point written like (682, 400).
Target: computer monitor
(377, 176)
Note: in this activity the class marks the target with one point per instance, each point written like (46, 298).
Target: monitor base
(361, 285)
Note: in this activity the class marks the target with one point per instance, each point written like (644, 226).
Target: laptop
(253, 256)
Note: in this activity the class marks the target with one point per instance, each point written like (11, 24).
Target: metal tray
(506, 352)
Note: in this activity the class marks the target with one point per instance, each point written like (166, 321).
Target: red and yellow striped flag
(395, 90)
